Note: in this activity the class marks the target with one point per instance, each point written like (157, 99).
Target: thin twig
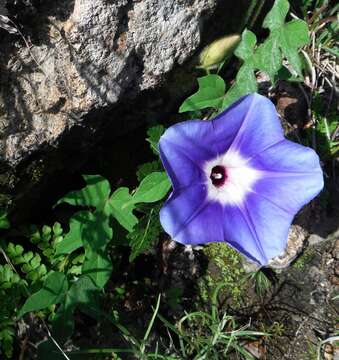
(28, 47)
(23, 348)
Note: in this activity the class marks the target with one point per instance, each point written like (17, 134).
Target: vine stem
(256, 14)
(250, 10)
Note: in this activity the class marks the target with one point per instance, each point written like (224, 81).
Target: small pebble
(328, 356)
(329, 261)
(334, 280)
(335, 251)
(315, 239)
(328, 352)
(328, 348)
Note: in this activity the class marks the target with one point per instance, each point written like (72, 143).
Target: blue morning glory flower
(237, 179)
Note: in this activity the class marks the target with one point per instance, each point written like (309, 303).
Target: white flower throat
(229, 178)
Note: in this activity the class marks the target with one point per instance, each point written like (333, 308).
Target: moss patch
(305, 258)
(224, 267)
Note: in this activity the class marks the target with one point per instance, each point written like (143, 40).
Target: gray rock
(315, 239)
(98, 53)
(335, 251)
(295, 243)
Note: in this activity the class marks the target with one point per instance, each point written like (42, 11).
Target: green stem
(252, 6)
(100, 351)
(256, 14)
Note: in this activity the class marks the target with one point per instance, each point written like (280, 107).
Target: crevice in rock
(33, 16)
(119, 41)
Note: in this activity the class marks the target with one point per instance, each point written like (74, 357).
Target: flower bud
(218, 51)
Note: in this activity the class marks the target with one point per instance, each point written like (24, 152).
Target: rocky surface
(88, 54)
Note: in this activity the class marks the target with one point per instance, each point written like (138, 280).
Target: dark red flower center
(218, 175)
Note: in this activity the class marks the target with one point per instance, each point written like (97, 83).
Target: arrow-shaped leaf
(210, 94)
(152, 188)
(122, 205)
(288, 37)
(98, 267)
(94, 194)
(73, 239)
(52, 292)
(245, 82)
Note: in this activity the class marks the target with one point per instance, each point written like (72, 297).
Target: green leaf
(98, 267)
(245, 49)
(37, 273)
(296, 34)
(52, 292)
(285, 39)
(122, 206)
(34, 235)
(48, 350)
(154, 133)
(4, 222)
(35, 262)
(81, 293)
(6, 341)
(96, 235)
(63, 321)
(145, 234)
(210, 94)
(268, 57)
(245, 82)
(14, 250)
(96, 232)
(46, 232)
(148, 168)
(293, 36)
(57, 229)
(289, 37)
(94, 194)
(153, 188)
(73, 239)
(276, 16)
(28, 256)
(8, 279)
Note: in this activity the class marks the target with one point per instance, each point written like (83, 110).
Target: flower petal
(259, 229)
(189, 219)
(183, 151)
(240, 233)
(291, 175)
(252, 123)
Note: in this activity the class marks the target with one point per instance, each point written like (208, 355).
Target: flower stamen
(218, 175)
